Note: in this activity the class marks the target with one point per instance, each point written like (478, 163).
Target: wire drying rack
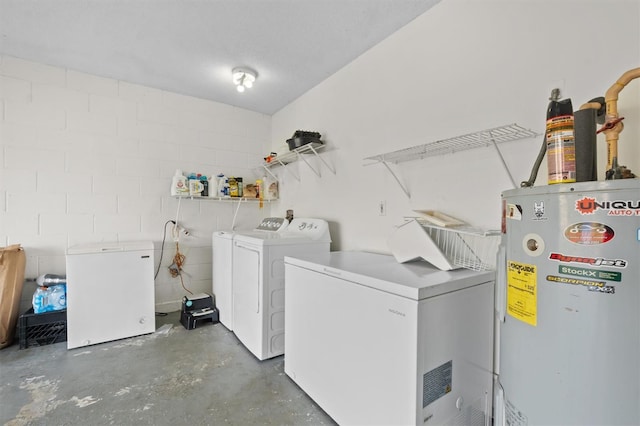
(465, 246)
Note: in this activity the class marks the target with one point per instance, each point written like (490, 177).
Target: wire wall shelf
(298, 154)
(481, 139)
(484, 138)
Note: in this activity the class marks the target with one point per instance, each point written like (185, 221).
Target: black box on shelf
(42, 329)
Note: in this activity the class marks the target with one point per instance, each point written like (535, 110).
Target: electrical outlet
(178, 231)
(382, 208)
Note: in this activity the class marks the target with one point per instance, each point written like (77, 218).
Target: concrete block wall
(88, 159)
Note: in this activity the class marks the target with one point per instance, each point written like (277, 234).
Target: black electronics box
(196, 302)
(198, 309)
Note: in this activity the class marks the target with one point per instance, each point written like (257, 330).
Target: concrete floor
(172, 377)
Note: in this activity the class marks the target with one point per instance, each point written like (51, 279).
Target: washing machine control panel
(274, 224)
(309, 227)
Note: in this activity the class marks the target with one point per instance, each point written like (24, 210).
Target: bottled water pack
(47, 299)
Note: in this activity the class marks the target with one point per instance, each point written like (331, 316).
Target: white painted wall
(462, 67)
(89, 159)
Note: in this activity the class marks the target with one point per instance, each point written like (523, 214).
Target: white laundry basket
(446, 248)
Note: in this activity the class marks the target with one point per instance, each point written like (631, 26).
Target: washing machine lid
(224, 234)
(414, 280)
(299, 231)
(268, 224)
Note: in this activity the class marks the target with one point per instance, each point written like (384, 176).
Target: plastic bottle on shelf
(233, 186)
(264, 188)
(213, 186)
(226, 191)
(270, 188)
(205, 185)
(179, 184)
(240, 187)
(221, 179)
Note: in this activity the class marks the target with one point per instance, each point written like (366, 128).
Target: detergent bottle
(179, 184)
(221, 182)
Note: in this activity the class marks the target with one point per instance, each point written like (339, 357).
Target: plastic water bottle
(50, 279)
(58, 297)
(39, 300)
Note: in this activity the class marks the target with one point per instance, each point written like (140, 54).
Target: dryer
(258, 281)
(222, 264)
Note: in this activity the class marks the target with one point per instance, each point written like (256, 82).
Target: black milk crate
(42, 329)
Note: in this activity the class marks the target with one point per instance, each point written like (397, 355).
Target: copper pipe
(612, 133)
(591, 105)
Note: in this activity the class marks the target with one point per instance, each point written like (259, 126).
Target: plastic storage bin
(42, 329)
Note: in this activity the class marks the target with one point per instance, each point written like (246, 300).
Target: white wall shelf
(296, 154)
(483, 138)
(227, 199)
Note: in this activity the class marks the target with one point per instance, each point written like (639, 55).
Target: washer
(222, 263)
(258, 281)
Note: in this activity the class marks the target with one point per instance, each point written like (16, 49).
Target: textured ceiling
(190, 46)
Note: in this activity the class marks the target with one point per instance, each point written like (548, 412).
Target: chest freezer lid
(414, 280)
(112, 247)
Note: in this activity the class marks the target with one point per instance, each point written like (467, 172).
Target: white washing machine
(258, 281)
(222, 243)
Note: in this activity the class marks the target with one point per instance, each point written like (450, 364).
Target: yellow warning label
(522, 290)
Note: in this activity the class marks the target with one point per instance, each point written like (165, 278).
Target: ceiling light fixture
(243, 78)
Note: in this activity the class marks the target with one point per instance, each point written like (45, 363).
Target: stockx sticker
(590, 273)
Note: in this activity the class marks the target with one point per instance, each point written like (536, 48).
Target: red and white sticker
(588, 205)
(589, 233)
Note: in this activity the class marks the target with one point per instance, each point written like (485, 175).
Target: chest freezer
(110, 292)
(376, 342)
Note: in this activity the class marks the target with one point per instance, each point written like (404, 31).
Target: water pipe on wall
(613, 125)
